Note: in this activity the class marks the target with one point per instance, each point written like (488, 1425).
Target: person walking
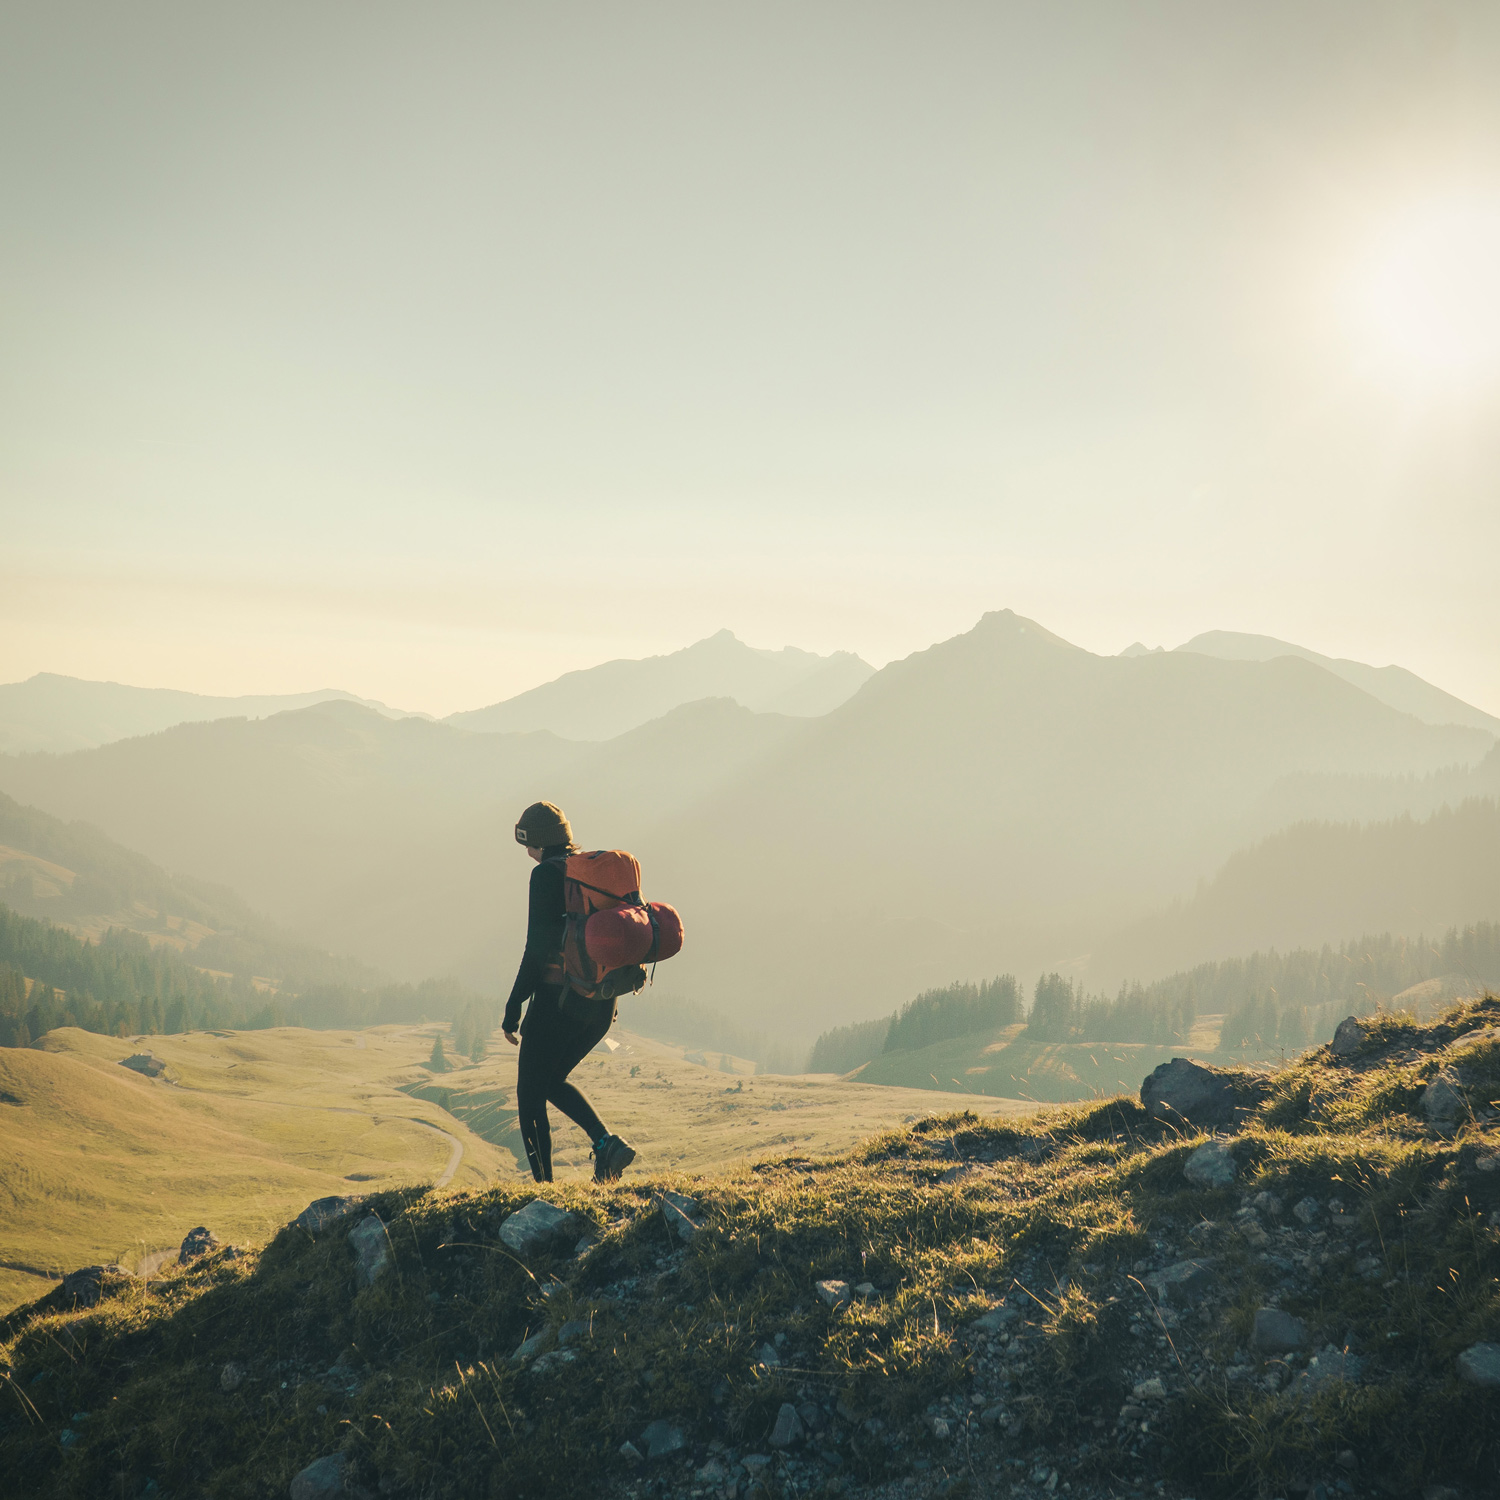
(561, 1027)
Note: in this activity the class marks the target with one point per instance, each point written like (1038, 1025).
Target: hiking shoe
(611, 1157)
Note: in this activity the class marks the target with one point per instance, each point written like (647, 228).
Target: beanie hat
(542, 826)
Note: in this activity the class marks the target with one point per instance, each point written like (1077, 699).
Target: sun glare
(1428, 298)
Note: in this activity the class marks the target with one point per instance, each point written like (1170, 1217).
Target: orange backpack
(610, 933)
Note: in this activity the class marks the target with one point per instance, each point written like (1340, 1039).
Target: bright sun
(1428, 299)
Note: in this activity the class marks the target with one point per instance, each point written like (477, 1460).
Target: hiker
(561, 1027)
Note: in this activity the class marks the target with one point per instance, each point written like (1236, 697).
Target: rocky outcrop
(372, 1249)
(197, 1242)
(321, 1212)
(85, 1286)
(1187, 1093)
(541, 1228)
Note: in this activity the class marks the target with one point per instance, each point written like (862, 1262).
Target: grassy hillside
(1011, 1336)
(98, 1163)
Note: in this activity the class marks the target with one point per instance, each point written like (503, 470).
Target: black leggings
(554, 1040)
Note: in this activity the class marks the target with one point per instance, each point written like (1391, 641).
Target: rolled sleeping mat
(633, 935)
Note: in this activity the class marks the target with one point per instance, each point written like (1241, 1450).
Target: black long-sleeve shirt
(545, 924)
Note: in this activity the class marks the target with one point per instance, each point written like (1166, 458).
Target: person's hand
(510, 1037)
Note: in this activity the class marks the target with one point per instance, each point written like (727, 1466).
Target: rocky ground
(1279, 1284)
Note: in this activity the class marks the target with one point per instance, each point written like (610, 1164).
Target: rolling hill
(599, 703)
(53, 713)
(993, 802)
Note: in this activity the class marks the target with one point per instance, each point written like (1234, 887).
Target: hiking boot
(611, 1157)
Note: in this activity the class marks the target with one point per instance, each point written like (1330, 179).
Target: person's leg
(541, 1038)
(584, 1030)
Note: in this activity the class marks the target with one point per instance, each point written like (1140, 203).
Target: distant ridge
(598, 703)
(58, 714)
(1394, 686)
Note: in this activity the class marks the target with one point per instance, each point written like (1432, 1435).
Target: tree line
(1270, 1001)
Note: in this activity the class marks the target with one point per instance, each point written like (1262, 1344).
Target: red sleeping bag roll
(629, 935)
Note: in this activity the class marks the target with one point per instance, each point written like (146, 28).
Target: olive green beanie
(543, 826)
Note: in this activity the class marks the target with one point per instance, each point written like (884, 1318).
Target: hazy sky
(430, 350)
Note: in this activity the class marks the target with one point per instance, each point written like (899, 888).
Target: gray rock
(231, 1377)
(681, 1215)
(321, 1212)
(1444, 1101)
(1184, 1092)
(144, 1062)
(788, 1429)
(1277, 1332)
(865, 1290)
(994, 1320)
(1211, 1166)
(938, 1427)
(766, 1355)
(199, 1241)
(1349, 1037)
(834, 1294)
(320, 1479)
(1479, 1364)
(1327, 1366)
(85, 1286)
(755, 1464)
(531, 1347)
(661, 1439)
(992, 1416)
(1307, 1210)
(541, 1228)
(372, 1249)
(1184, 1284)
(573, 1330)
(546, 1363)
(630, 1453)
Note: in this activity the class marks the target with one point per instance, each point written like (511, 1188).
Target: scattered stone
(1183, 1092)
(661, 1439)
(833, 1294)
(993, 1321)
(938, 1427)
(85, 1286)
(199, 1241)
(1349, 1037)
(573, 1330)
(630, 1453)
(788, 1429)
(1479, 1364)
(755, 1464)
(766, 1355)
(546, 1363)
(321, 1212)
(992, 1416)
(1346, 1459)
(531, 1347)
(811, 1414)
(372, 1249)
(1307, 1210)
(681, 1215)
(1443, 1100)
(320, 1479)
(1247, 1221)
(1267, 1203)
(1277, 1332)
(865, 1290)
(144, 1062)
(1150, 1390)
(540, 1228)
(232, 1376)
(1211, 1166)
(1184, 1284)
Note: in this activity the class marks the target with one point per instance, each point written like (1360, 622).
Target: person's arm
(544, 937)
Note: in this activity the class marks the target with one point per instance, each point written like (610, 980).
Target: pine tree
(437, 1062)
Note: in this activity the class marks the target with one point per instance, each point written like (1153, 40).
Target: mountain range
(1002, 800)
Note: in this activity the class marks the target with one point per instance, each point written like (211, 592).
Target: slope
(1395, 686)
(53, 713)
(601, 702)
(1316, 880)
(1065, 1305)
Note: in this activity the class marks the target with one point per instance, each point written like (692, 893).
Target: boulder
(144, 1062)
(788, 1428)
(321, 1212)
(1277, 1332)
(1211, 1166)
(1349, 1037)
(681, 1215)
(85, 1286)
(372, 1249)
(661, 1439)
(1183, 1093)
(833, 1294)
(197, 1242)
(321, 1479)
(1307, 1211)
(573, 1330)
(1443, 1100)
(1184, 1284)
(232, 1376)
(1479, 1364)
(540, 1228)
(531, 1347)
